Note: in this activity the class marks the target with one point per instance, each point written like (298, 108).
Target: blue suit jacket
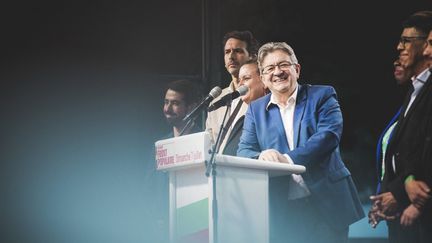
(317, 132)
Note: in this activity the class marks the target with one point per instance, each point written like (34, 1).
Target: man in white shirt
(239, 47)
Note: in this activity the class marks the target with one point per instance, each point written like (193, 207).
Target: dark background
(82, 86)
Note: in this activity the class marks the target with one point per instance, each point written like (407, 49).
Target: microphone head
(215, 92)
(242, 90)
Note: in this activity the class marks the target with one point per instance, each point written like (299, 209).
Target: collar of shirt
(291, 100)
(422, 77)
(232, 86)
(419, 80)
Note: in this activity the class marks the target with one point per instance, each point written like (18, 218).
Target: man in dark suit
(426, 166)
(405, 191)
(300, 124)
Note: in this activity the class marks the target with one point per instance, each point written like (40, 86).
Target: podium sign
(186, 150)
(241, 191)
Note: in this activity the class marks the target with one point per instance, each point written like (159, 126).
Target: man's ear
(264, 83)
(298, 68)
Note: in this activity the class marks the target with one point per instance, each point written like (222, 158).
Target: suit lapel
(400, 123)
(238, 127)
(241, 112)
(276, 123)
(299, 111)
(403, 120)
(420, 95)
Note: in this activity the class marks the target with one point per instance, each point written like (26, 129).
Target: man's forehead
(410, 30)
(277, 55)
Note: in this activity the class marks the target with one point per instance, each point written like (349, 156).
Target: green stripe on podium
(192, 218)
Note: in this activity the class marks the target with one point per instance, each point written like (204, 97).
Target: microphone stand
(211, 167)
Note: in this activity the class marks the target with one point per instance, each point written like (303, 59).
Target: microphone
(242, 90)
(215, 92)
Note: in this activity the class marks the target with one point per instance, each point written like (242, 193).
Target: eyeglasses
(282, 66)
(409, 39)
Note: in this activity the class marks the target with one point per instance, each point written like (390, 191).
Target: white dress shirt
(297, 186)
(418, 83)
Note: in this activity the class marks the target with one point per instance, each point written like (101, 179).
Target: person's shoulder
(227, 90)
(224, 92)
(168, 135)
(319, 89)
(261, 101)
(196, 128)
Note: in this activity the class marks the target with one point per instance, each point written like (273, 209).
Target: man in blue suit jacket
(300, 124)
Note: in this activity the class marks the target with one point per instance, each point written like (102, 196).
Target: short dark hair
(421, 20)
(188, 89)
(252, 44)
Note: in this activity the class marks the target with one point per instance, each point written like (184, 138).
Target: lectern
(240, 194)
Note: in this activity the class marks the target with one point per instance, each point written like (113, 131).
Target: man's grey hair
(273, 46)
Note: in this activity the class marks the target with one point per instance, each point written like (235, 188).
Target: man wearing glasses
(300, 124)
(405, 199)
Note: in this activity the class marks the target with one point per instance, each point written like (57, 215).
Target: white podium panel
(240, 211)
(189, 205)
(242, 202)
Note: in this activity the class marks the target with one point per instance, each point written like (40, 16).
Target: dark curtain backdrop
(82, 85)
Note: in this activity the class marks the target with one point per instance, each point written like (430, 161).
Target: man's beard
(174, 121)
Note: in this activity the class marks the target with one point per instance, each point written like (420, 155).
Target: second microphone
(242, 90)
